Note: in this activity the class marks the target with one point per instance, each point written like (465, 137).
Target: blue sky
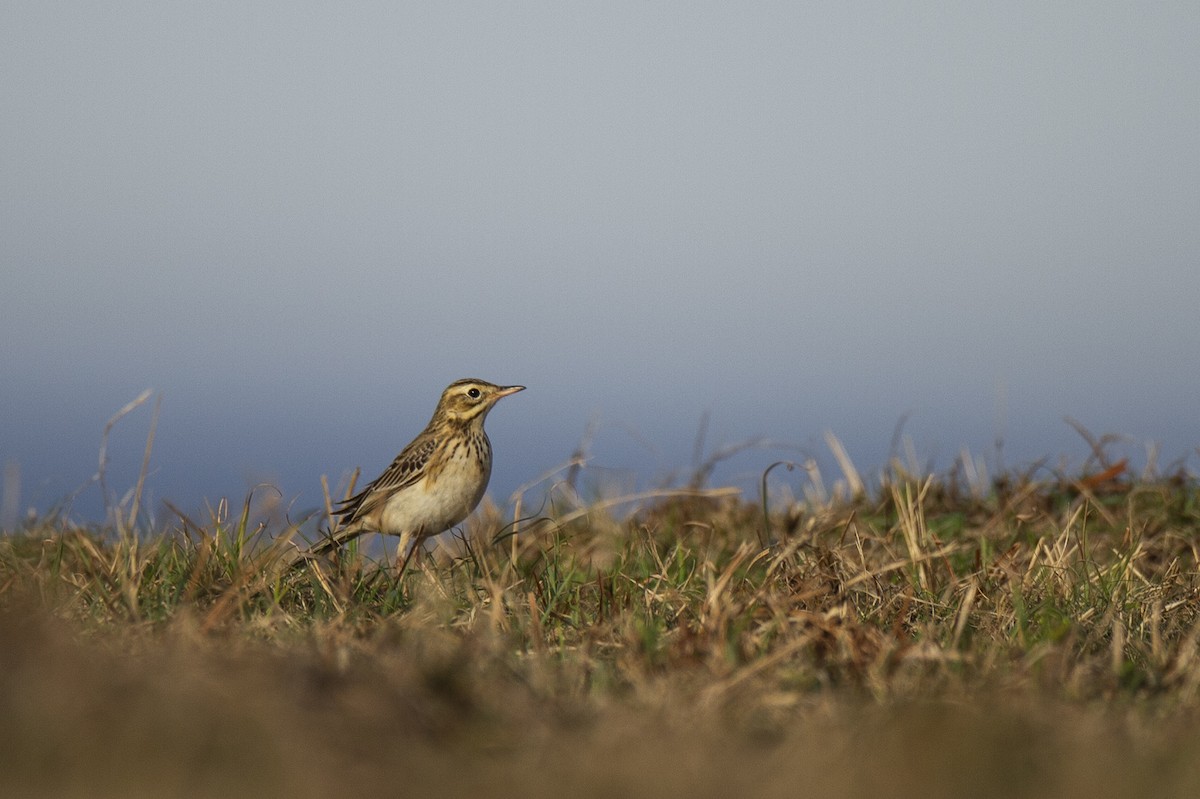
(298, 222)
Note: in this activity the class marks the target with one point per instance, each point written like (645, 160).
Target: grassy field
(930, 637)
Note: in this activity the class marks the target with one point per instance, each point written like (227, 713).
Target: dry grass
(933, 638)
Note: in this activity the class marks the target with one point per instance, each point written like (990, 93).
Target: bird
(433, 484)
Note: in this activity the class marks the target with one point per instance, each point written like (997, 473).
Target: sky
(297, 222)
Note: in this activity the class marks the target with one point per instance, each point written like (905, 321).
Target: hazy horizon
(298, 223)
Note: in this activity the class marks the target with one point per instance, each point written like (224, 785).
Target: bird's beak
(506, 390)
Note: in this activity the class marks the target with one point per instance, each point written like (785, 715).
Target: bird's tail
(327, 544)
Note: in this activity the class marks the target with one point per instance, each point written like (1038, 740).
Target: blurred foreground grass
(931, 638)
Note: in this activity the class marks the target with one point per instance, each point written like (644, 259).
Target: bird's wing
(406, 469)
(408, 466)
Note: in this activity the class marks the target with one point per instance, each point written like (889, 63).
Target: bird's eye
(473, 393)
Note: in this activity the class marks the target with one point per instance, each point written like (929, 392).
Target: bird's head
(465, 400)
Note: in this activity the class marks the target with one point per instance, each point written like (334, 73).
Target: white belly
(425, 509)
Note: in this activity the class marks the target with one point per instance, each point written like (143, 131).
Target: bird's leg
(405, 550)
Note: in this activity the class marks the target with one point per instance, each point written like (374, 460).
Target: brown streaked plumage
(434, 483)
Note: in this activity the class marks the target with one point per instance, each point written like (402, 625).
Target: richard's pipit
(434, 483)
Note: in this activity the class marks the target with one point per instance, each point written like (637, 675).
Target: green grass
(931, 638)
